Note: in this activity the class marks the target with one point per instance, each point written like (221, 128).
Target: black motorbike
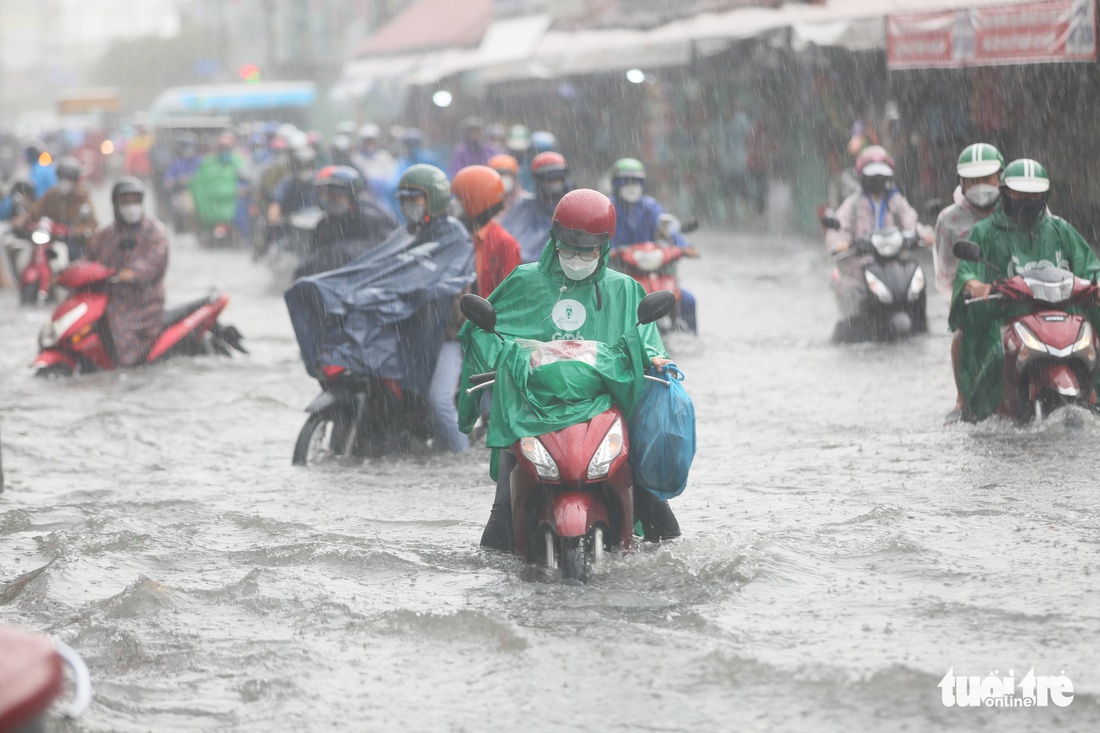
(891, 301)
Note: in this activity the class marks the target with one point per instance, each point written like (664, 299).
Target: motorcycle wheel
(319, 440)
(573, 566)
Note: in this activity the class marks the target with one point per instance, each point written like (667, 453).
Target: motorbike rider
(876, 206)
(639, 220)
(68, 203)
(40, 166)
(352, 223)
(1019, 236)
(217, 184)
(373, 160)
(296, 191)
(472, 150)
(507, 168)
(136, 246)
(604, 303)
(530, 216)
(177, 180)
(979, 168)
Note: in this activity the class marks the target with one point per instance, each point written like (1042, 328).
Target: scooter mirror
(654, 306)
(964, 249)
(830, 222)
(480, 312)
(690, 227)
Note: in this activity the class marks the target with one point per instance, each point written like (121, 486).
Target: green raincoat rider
(1019, 236)
(569, 294)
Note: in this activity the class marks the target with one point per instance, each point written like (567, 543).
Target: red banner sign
(1040, 32)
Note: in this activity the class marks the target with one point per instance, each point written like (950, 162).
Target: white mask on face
(577, 269)
(65, 187)
(509, 184)
(130, 213)
(631, 193)
(983, 195)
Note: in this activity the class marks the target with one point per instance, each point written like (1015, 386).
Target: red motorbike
(653, 264)
(41, 256)
(1050, 354)
(572, 489)
(76, 339)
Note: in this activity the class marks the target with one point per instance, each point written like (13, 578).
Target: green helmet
(430, 181)
(1026, 175)
(628, 168)
(980, 160)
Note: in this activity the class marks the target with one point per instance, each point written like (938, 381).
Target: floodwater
(842, 549)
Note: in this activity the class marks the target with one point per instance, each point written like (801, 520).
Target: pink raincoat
(954, 223)
(135, 310)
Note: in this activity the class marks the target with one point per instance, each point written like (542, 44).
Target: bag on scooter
(662, 434)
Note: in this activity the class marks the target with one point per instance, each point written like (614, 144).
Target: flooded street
(842, 549)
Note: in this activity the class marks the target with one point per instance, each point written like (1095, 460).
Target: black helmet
(68, 168)
(126, 184)
(340, 176)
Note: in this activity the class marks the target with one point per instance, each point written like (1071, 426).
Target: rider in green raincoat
(214, 187)
(1019, 236)
(568, 295)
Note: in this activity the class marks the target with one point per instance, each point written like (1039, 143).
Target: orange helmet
(504, 162)
(480, 190)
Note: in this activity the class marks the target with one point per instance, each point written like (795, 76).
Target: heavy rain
(267, 462)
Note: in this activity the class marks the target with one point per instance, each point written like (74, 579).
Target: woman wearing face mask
(1020, 235)
(569, 294)
(529, 217)
(508, 169)
(979, 168)
(639, 219)
(136, 247)
(878, 205)
(68, 203)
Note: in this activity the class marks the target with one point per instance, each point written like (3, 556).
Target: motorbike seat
(177, 313)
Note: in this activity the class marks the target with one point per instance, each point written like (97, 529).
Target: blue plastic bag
(662, 435)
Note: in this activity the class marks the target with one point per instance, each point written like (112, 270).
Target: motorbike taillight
(332, 371)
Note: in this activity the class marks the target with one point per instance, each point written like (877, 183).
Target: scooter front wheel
(573, 566)
(320, 438)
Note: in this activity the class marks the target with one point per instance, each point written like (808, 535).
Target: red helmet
(549, 162)
(875, 161)
(583, 219)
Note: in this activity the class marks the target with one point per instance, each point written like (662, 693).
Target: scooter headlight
(534, 451)
(52, 332)
(916, 285)
(610, 447)
(40, 236)
(1084, 344)
(878, 287)
(1030, 340)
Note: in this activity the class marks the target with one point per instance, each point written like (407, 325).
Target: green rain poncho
(214, 189)
(1012, 248)
(537, 303)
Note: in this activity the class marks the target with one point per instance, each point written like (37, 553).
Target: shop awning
(431, 25)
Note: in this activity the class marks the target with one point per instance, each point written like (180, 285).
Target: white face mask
(983, 195)
(456, 209)
(577, 269)
(631, 193)
(509, 184)
(130, 213)
(414, 211)
(65, 187)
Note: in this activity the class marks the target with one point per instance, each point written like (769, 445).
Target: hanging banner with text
(1032, 33)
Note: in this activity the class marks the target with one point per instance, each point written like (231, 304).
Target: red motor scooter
(1050, 354)
(76, 339)
(653, 264)
(572, 489)
(41, 257)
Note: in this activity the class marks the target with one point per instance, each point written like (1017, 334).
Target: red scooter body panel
(649, 264)
(1054, 328)
(572, 505)
(83, 274)
(200, 321)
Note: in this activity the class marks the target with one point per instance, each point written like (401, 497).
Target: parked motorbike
(32, 679)
(891, 301)
(572, 489)
(1050, 353)
(77, 339)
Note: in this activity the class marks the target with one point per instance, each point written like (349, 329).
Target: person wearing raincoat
(1019, 236)
(216, 184)
(136, 246)
(528, 219)
(569, 294)
(979, 168)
